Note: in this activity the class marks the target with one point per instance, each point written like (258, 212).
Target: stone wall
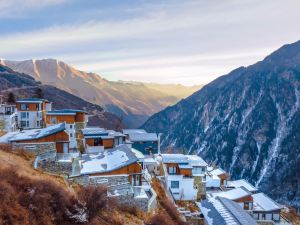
(130, 200)
(111, 180)
(56, 167)
(37, 148)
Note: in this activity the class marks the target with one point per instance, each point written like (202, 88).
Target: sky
(163, 41)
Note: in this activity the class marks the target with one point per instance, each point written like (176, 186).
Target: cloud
(200, 39)
(16, 8)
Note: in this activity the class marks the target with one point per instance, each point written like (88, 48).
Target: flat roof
(32, 100)
(32, 134)
(241, 183)
(135, 137)
(65, 112)
(134, 131)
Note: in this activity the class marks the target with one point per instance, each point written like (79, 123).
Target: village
(127, 161)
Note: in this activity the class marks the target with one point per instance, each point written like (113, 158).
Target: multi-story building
(31, 113)
(8, 117)
(96, 139)
(184, 175)
(75, 121)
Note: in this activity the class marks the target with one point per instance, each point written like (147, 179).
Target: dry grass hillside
(30, 197)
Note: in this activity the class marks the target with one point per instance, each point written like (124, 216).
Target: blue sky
(165, 41)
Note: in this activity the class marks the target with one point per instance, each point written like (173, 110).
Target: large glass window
(174, 184)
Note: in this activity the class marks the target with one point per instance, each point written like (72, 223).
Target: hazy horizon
(188, 42)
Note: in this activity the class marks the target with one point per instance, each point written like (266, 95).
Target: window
(71, 126)
(38, 123)
(71, 135)
(198, 170)
(38, 107)
(23, 115)
(27, 123)
(172, 170)
(174, 184)
(24, 107)
(23, 123)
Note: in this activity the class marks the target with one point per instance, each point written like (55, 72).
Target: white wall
(186, 189)
(213, 182)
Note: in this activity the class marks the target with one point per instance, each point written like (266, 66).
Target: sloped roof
(222, 211)
(241, 183)
(232, 194)
(32, 134)
(217, 171)
(107, 161)
(262, 202)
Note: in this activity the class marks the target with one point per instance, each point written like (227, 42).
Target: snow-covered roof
(107, 161)
(233, 194)
(174, 158)
(135, 137)
(93, 131)
(137, 153)
(262, 202)
(241, 183)
(96, 132)
(222, 211)
(184, 161)
(217, 171)
(32, 134)
(196, 160)
(64, 112)
(134, 131)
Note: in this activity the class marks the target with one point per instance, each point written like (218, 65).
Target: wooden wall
(130, 170)
(61, 118)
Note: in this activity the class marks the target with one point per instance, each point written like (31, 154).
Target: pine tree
(11, 98)
(39, 93)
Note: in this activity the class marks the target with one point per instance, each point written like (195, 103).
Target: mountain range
(24, 86)
(247, 122)
(133, 102)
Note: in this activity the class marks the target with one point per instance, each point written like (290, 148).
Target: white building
(8, 117)
(184, 175)
(31, 113)
(265, 209)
